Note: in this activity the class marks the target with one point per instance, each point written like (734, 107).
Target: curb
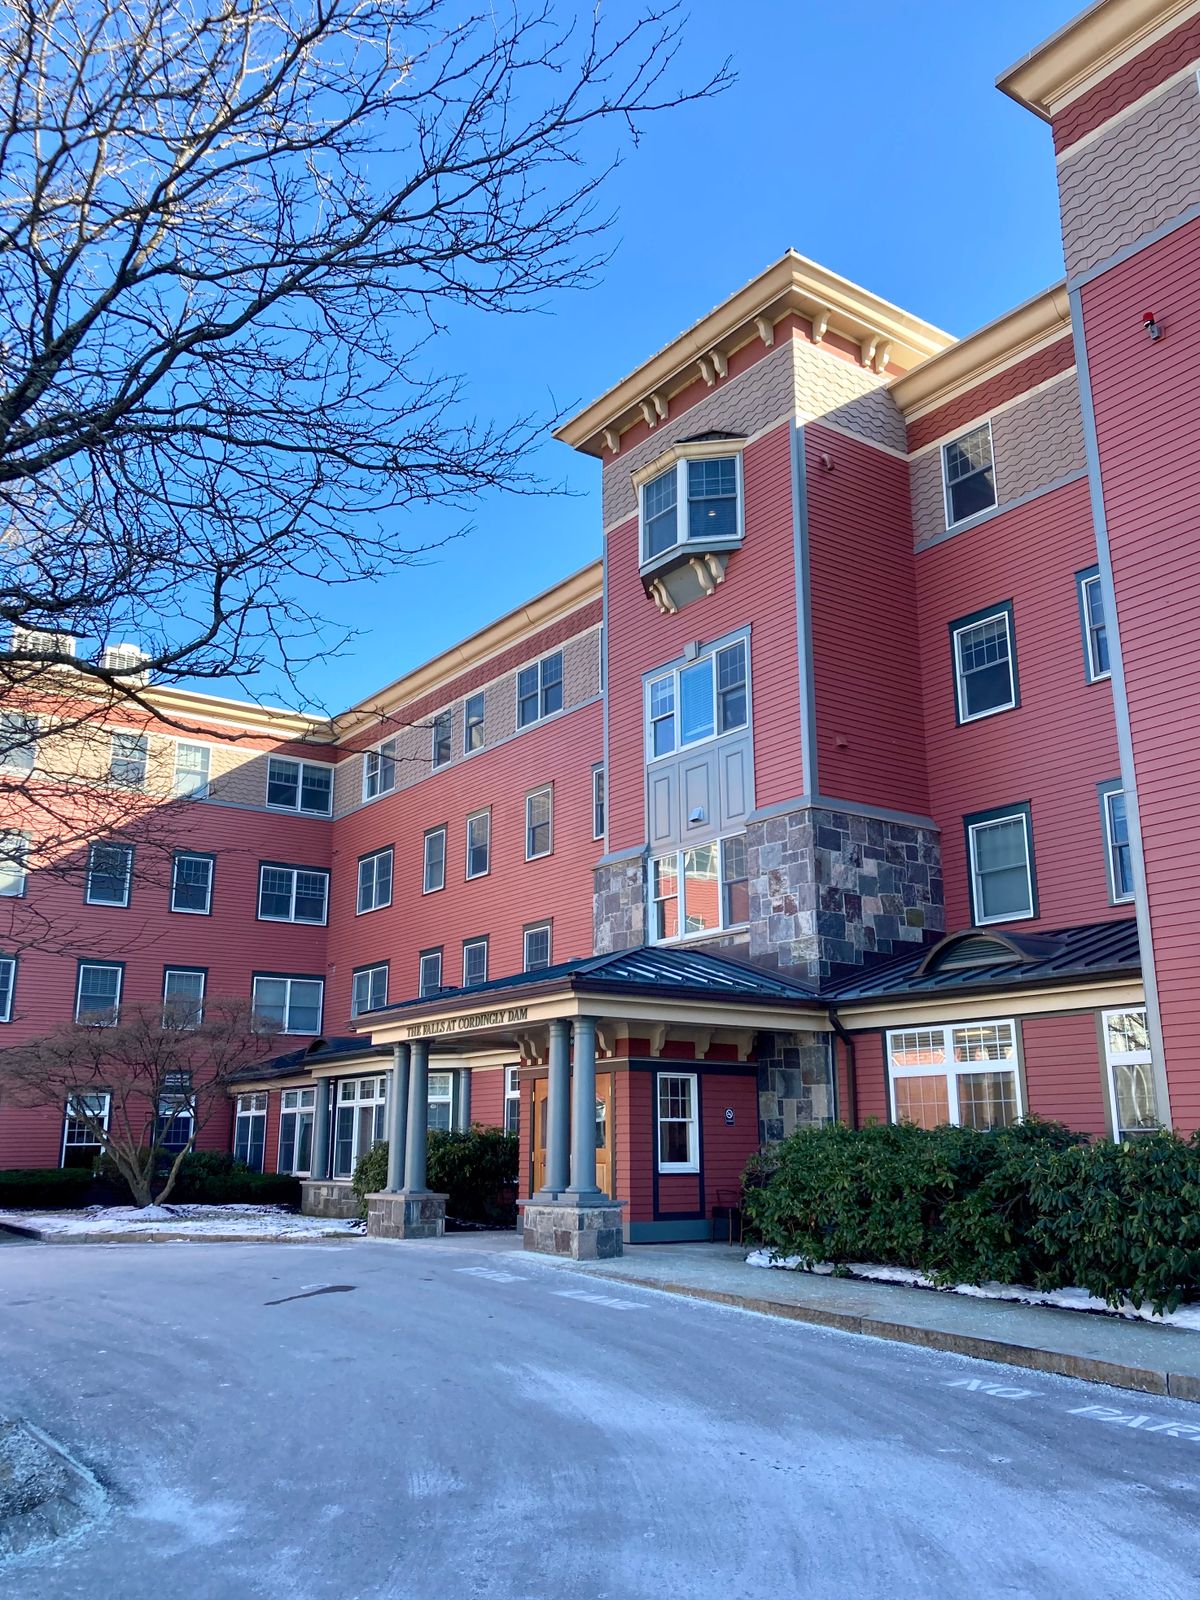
(177, 1237)
(1145, 1380)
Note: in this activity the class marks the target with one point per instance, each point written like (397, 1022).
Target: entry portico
(622, 1061)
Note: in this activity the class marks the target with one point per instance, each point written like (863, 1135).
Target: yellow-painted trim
(857, 1017)
(698, 450)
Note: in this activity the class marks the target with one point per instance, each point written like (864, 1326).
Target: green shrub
(476, 1170)
(1033, 1204)
(214, 1178)
(44, 1188)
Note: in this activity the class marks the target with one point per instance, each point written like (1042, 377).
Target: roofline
(1061, 980)
(996, 345)
(793, 284)
(1085, 49)
(540, 612)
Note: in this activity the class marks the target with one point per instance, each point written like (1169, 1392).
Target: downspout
(851, 1065)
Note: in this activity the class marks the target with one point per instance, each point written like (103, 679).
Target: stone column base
(585, 1233)
(326, 1197)
(406, 1214)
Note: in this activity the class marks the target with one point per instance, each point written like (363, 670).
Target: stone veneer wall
(619, 905)
(795, 1083)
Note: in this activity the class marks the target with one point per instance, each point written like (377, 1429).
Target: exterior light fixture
(1151, 325)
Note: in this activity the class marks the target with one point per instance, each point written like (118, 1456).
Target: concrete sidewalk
(1102, 1349)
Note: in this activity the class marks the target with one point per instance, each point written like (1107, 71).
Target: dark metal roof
(1096, 950)
(307, 1056)
(647, 970)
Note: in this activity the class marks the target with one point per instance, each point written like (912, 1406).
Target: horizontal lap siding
(1060, 742)
(635, 1144)
(1063, 1071)
(866, 664)
(980, 401)
(759, 590)
(727, 1146)
(678, 1192)
(1148, 437)
(871, 1070)
(487, 1096)
(515, 892)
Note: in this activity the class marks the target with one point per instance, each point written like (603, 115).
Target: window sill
(690, 1170)
(698, 938)
(677, 554)
(982, 716)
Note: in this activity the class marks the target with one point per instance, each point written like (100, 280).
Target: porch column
(417, 1140)
(320, 1141)
(464, 1100)
(558, 1109)
(397, 1115)
(582, 1187)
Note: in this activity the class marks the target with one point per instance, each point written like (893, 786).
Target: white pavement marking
(1143, 1421)
(1002, 1391)
(598, 1299)
(492, 1275)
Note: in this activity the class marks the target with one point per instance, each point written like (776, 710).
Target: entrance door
(604, 1132)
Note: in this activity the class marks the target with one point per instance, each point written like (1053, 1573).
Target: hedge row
(1034, 1204)
(476, 1170)
(205, 1178)
(44, 1188)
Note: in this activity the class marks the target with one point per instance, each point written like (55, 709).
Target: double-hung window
(128, 756)
(479, 844)
(18, 741)
(296, 1111)
(14, 862)
(379, 770)
(175, 1123)
(435, 861)
(1000, 854)
(1096, 664)
(540, 689)
(109, 874)
(98, 993)
(368, 989)
(474, 962)
(441, 1101)
(537, 946)
(192, 882)
(985, 668)
(250, 1130)
(698, 700)
(693, 501)
(192, 764)
(965, 1075)
(299, 786)
(375, 880)
(442, 725)
(512, 1099)
(539, 823)
(290, 1005)
(360, 1122)
(678, 1122)
(969, 475)
(598, 800)
(473, 711)
(8, 983)
(84, 1125)
(1132, 1095)
(183, 997)
(1116, 840)
(429, 973)
(292, 894)
(701, 890)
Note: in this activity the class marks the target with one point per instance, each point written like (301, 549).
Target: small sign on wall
(729, 1116)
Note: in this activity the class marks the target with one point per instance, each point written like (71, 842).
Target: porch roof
(293, 1063)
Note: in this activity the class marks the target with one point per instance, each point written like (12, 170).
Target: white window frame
(354, 1094)
(726, 450)
(978, 620)
(8, 965)
(474, 944)
(951, 1069)
(301, 766)
(297, 1104)
(251, 1108)
(14, 843)
(470, 724)
(369, 974)
(599, 803)
(539, 666)
(442, 1097)
(89, 1143)
(1016, 815)
(976, 427)
(377, 761)
(674, 674)
(546, 790)
(201, 789)
(486, 817)
(443, 720)
(289, 981)
(547, 928)
(424, 990)
(190, 972)
(512, 1098)
(194, 855)
(284, 866)
(20, 758)
(371, 862)
(692, 1122)
(679, 855)
(426, 886)
(88, 897)
(142, 741)
(1115, 893)
(107, 966)
(1117, 1058)
(1093, 673)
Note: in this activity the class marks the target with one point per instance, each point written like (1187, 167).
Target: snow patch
(191, 1221)
(1187, 1316)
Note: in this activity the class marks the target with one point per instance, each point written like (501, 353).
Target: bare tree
(142, 1088)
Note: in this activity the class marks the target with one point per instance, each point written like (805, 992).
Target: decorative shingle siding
(853, 398)
(1128, 83)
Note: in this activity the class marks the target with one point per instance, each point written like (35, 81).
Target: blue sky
(866, 134)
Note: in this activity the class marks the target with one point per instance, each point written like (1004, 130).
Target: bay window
(694, 501)
(965, 1075)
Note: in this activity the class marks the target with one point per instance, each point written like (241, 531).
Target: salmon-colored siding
(1149, 68)
(982, 398)
(1059, 742)
(870, 1060)
(1064, 1071)
(487, 1097)
(1147, 434)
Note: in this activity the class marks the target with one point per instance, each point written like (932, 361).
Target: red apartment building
(854, 781)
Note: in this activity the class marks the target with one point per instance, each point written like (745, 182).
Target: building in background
(855, 780)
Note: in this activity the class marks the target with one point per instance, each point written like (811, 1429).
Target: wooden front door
(604, 1132)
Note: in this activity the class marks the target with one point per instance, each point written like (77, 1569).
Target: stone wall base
(323, 1197)
(585, 1233)
(406, 1214)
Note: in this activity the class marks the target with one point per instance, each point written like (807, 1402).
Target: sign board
(502, 1017)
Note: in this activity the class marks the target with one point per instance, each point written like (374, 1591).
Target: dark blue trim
(1019, 808)
(1002, 607)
